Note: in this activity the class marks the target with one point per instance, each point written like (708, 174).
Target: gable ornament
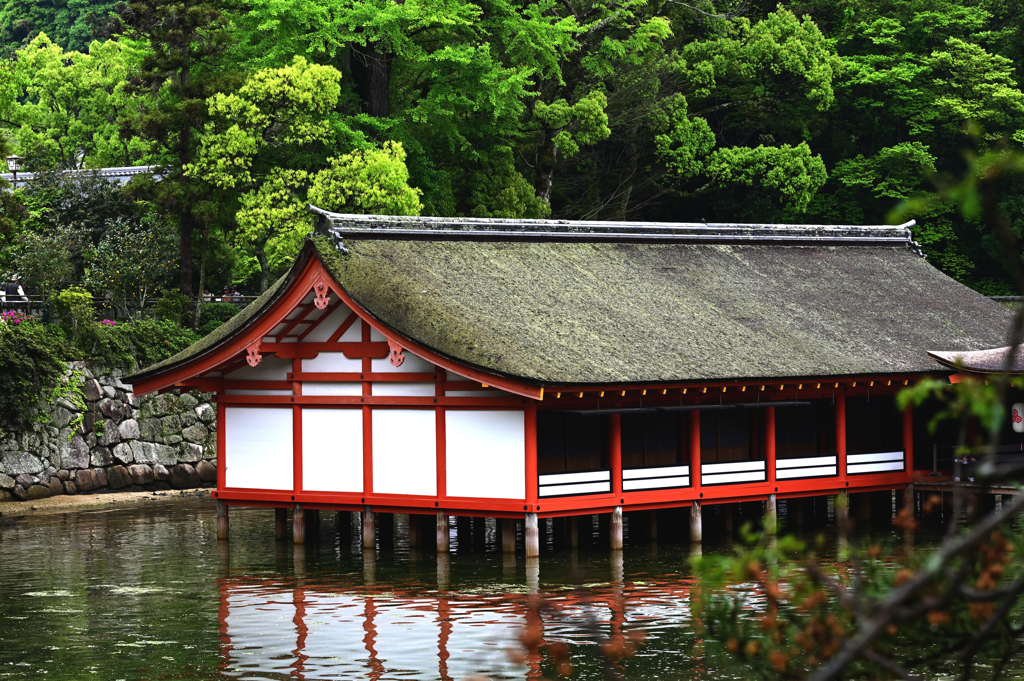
(323, 297)
(253, 355)
(395, 356)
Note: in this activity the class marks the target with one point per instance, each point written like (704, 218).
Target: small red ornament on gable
(323, 297)
(395, 355)
(253, 354)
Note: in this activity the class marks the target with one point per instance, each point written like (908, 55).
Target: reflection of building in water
(273, 631)
(526, 370)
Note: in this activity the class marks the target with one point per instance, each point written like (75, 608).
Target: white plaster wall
(396, 389)
(331, 388)
(485, 454)
(328, 326)
(405, 451)
(270, 368)
(258, 444)
(332, 362)
(332, 450)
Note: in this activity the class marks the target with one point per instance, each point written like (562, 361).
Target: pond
(147, 592)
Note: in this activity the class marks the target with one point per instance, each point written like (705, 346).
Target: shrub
(213, 315)
(31, 360)
(173, 306)
(73, 307)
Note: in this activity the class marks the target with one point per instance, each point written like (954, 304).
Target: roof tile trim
(415, 228)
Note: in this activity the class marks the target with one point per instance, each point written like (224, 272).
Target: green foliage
(132, 262)
(31, 360)
(66, 22)
(372, 181)
(213, 315)
(74, 309)
(173, 306)
(69, 388)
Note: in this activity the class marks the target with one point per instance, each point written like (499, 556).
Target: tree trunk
(261, 258)
(202, 276)
(185, 254)
(546, 166)
(380, 83)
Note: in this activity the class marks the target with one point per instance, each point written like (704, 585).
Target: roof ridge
(430, 228)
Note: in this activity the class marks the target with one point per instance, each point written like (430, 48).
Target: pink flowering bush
(108, 322)
(13, 317)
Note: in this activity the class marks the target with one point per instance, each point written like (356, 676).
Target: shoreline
(68, 502)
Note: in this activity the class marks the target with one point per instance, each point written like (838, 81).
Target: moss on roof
(571, 313)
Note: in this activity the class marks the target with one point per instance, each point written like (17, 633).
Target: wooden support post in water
(443, 541)
(616, 529)
(222, 520)
(414, 531)
(696, 527)
(508, 536)
(654, 525)
(298, 525)
(842, 506)
(280, 520)
(369, 529)
(771, 515)
(574, 533)
(531, 536)
(728, 518)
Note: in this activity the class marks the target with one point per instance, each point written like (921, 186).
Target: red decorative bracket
(396, 358)
(323, 298)
(253, 354)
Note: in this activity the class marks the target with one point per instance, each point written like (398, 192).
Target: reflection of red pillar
(222, 626)
(444, 618)
(299, 599)
(370, 640)
(534, 623)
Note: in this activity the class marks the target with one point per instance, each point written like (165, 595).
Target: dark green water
(149, 593)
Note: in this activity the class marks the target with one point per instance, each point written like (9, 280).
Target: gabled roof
(120, 175)
(565, 303)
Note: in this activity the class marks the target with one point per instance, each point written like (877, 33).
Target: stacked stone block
(124, 443)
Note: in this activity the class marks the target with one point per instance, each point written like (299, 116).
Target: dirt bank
(66, 502)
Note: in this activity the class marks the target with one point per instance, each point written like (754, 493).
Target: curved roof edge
(992, 361)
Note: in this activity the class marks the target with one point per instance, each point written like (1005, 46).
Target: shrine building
(526, 369)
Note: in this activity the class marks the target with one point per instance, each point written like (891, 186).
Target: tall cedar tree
(186, 39)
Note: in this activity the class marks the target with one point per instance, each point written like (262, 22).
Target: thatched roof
(982, 361)
(571, 303)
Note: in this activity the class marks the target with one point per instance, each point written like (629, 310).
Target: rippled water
(148, 593)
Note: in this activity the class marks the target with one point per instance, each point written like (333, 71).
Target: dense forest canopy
(831, 111)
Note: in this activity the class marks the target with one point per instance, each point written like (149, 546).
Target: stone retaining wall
(124, 442)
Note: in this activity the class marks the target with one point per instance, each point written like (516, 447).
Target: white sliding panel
(655, 477)
(396, 389)
(571, 484)
(883, 462)
(733, 472)
(485, 454)
(411, 363)
(806, 467)
(331, 388)
(405, 451)
(332, 450)
(258, 444)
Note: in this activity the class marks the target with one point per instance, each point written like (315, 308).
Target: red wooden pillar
(615, 451)
(695, 448)
(908, 438)
(840, 409)
(769, 443)
(530, 422)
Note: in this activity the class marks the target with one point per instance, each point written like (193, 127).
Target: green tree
(262, 143)
(372, 181)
